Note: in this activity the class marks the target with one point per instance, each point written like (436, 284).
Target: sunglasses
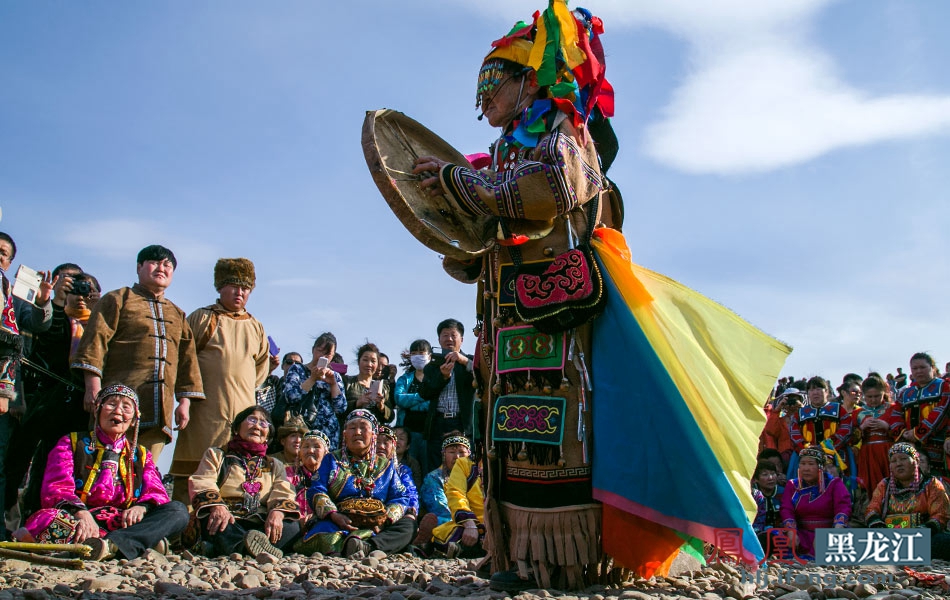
(291, 361)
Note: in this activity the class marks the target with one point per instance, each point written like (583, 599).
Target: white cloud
(759, 94)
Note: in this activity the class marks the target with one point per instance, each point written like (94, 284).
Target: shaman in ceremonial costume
(544, 185)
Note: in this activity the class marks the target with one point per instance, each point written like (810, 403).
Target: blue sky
(786, 159)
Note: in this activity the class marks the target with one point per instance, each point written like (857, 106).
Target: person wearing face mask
(411, 407)
(56, 395)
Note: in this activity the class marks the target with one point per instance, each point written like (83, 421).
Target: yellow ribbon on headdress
(567, 35)
(518, 51)
(828, 448)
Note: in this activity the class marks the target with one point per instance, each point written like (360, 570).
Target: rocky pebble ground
(403, 577)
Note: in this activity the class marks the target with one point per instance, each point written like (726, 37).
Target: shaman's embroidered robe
(923, 411)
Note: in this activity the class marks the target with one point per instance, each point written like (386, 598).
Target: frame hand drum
(391, 143)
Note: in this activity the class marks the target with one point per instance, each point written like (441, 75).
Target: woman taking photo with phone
(362, 391)
(315, 392)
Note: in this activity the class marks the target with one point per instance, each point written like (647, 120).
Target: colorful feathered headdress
(563, 48)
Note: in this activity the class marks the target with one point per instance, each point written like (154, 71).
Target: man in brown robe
(234, 358)
(137, 337)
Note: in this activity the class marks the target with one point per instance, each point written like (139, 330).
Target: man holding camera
(56, 397)
(139, 338)
(234, 358)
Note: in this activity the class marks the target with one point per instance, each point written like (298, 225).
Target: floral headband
(117, 389)
(456, 440)
(316, 434)
(904, 448)
(362, 413)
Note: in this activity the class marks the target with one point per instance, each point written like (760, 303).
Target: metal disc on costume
(391, 143)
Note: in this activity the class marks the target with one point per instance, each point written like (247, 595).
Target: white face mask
(419, 361)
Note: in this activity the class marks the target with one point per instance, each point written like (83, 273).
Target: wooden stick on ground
(80, 549)
(39, 559)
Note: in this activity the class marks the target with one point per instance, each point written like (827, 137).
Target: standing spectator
(413, 409)
(918, 415)
(56, 396)
(18, 319)
(873, 432)
(849, 392)
(359, 387)
(290, 359)
(775, 433)
(901, 379)
(234, 358)
(447, 386)
(314, 392)
(821, 423)
(138, 337)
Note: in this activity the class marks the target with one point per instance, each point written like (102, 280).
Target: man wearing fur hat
(233, 355)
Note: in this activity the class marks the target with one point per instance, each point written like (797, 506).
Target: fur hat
(234, 271)
(295, 424)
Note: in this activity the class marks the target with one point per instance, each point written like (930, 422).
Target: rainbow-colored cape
(679, 383)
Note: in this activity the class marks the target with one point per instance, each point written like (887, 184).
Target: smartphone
(274, 348)
(27, 283)
(376, 387)
(323, 362)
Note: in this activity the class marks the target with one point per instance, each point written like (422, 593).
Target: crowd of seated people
(875, 455)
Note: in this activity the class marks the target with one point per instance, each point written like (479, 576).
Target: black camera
(81, 287)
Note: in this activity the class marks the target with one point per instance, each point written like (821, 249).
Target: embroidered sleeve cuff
(322, 506)
(206, 499)
(87, 367)
(288, 507)
(464, 515)
(790, 524)
(198, 395)
(875, 521)
(72, 506)
(453, 179)
(841, 519)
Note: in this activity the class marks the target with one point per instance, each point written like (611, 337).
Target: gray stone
(37, 594)
(370, 562)
(377, 554)
(61, 589)
(863, 590)
(170, 588)
(796, 595)
(247, 581)
(741, 591)
(396, 596)
(684, 564)
(843, 593)
(636, 595)
(105, 583)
